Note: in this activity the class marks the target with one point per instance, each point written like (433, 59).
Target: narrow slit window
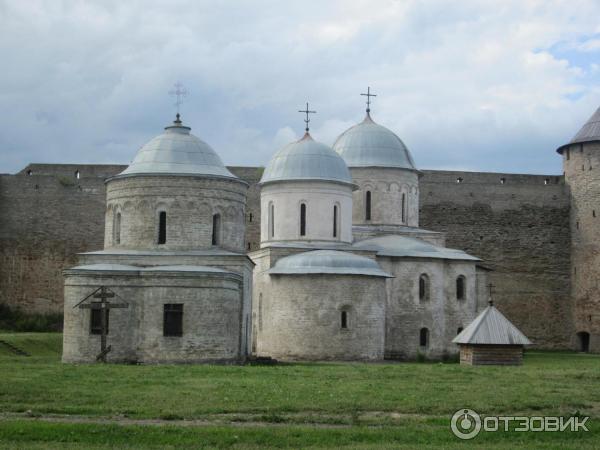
(271, 220)
(173, 319)
(460, 288)
(344, 320)
(162, 227)
(423, 287)
(403, 208)
(368, 205)
(424, 337)
(77, 174)
(118, 228)
(335, 220)
(216, 229)
(302, 219)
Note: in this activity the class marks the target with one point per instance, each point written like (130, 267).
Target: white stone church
(343, 271)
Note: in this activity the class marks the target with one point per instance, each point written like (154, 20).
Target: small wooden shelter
(491, 339)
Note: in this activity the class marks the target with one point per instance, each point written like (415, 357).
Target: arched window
(117, 228)
(423, 287)
(344, 320)
(403, 207)
(424, 337)
(335, 220)
(583, 341)
(460, 287)
(302, 219)
(77, 174)
(216, 229)
(162, 227)
(271, 220)
(368, 205)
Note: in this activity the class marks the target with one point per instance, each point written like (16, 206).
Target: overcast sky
(473, 85)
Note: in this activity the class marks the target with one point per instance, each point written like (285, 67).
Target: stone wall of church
(298, 317)
(440, 312)
(391, 190)
(212, 323)
(188, 204)
(519, 226)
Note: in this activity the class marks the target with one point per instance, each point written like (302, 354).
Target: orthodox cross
(104, 306)
(369, 95)
(179, 92)
(307, 112)
(491, 288)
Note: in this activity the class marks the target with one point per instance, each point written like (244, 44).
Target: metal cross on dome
(307, 112)
(491, 287)
(369, 95)
(179, 92)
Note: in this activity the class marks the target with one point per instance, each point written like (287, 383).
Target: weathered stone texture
(582, 171)
(189, 204)
(298, 317)
(212, 318)
(520, 228)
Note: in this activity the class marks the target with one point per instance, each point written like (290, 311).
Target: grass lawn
(45, 404)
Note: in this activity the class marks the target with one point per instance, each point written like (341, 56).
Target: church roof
(589, 132)
(327, 262)
(492, 328)
(369, 144)
(306, 159)
(138, 270)
(177, 152)
(402, 246)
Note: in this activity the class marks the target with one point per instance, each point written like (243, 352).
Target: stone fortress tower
(173, 254)
(581, 162)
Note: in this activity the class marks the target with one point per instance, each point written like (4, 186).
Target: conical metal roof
(491, 327)
(369, 144)
(306, 159)
(177, 152)
(590, 132)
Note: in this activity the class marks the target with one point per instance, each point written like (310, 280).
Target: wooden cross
(307, 112)
(369, 95)
(104, 306)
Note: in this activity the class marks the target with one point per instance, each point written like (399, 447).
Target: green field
(46, 404)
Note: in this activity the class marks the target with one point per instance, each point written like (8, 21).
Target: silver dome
(178, 152)
(327, 262)
(371, 145)
(306, 159)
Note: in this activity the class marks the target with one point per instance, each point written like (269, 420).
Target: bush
(14, 319)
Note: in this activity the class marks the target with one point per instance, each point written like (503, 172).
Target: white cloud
(465, 84)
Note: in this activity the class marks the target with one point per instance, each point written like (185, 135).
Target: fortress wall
(520, 228)
(521, 231)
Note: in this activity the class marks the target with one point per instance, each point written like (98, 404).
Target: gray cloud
(467, 85)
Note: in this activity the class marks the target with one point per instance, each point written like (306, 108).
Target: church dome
(306, 159)
(327, 261)
(177, 152)
(368, 144)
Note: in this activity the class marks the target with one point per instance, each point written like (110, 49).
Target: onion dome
(371, 145)
(590, 132)
(306, 159)
(327, 262)
(177, 152)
